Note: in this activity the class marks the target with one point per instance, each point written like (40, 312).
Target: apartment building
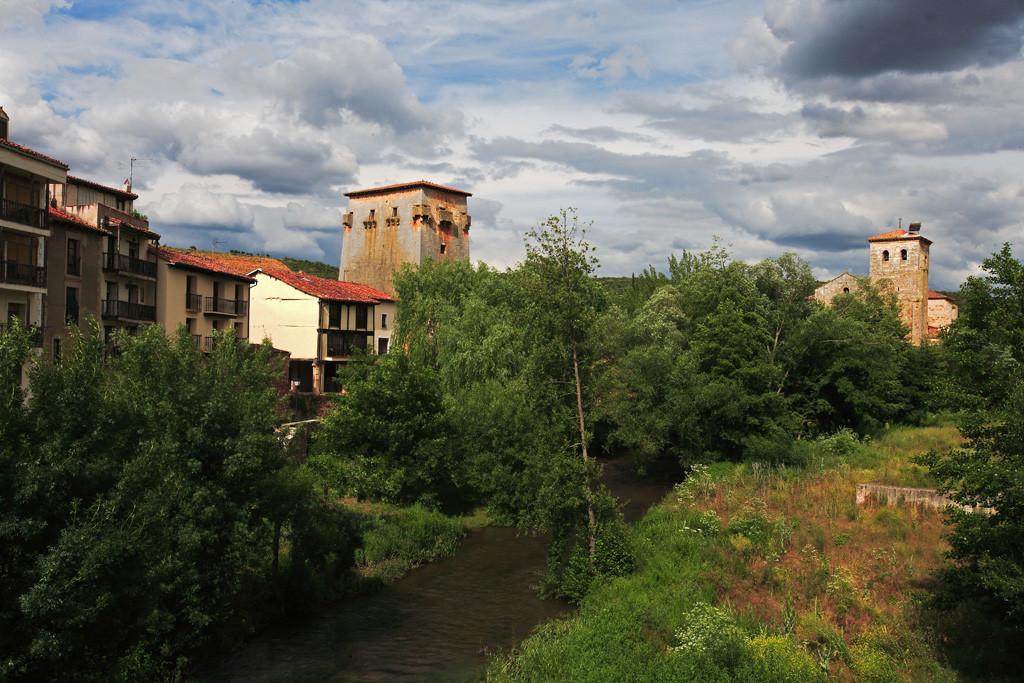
(25, 179)
(128, 285)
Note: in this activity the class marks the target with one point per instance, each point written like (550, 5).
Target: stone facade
(899, 264)
(843, 284)
(387, 227)
(942, 311)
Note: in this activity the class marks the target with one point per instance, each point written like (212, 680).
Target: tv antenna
(215, 243)
(131, 168)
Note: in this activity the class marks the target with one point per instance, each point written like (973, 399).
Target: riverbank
(758, 573)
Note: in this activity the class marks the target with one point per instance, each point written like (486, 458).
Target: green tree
(986, 345)
(563, 301)
(144, 505)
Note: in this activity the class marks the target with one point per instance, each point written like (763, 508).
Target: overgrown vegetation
(760, 572)
(149, 515)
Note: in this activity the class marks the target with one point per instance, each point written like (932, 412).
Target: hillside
(769, 574)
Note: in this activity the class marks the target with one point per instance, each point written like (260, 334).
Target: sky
(776, 126)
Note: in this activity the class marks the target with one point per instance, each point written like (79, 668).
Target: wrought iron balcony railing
(226, 306)
(22, 274)
(128, 264)
(127, 310)
(26, 214)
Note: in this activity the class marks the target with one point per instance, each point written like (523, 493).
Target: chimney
(4, 118)
(914, 227)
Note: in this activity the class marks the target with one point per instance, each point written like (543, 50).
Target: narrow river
(436, 623)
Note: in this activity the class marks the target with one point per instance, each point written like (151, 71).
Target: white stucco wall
(284, 315)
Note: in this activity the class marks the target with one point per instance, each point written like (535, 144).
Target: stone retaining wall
(891, 495)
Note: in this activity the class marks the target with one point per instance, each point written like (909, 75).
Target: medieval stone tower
(899, 263)
(386, 227)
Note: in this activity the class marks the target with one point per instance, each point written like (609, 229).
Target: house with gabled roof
(202, 294)
(319, 322)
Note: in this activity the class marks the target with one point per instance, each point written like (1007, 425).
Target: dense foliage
(986, 345)
(511, 383)
(145, 500)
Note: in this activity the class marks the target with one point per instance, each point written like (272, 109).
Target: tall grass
(760, 573)
(396, 539)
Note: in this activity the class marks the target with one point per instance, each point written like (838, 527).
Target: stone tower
(386, 227)
(899, 264)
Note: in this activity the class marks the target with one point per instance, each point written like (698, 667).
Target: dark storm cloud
(860, 39)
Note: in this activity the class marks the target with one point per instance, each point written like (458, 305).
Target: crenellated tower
(386, 227)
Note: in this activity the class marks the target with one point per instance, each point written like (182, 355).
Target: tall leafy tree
(987, 348)
(563, 301)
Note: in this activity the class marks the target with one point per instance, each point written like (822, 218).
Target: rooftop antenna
(131, 169)
(215, 243)
(901, 223)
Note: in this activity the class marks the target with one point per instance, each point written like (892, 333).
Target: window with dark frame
(72, 257)
(334, 315)
(361, 316)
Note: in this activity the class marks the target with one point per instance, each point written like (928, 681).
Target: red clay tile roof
(937, 295)
(37, 155)
(402, 186)
(244, 263)
(58, 215)
(191, 260)
(331, 290)
(105, 188)
(895, 235)
(125, 224)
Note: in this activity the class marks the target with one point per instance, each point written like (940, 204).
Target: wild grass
(396, 539)
(777, 563)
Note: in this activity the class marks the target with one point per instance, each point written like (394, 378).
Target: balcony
(129, 265)
(126, 310)
(22, 274)
(26, 214)
(35, 332)
(193, 302)
(220, 306)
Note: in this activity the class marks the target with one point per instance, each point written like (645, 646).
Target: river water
(437, 622)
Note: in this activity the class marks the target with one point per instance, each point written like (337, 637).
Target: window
(333, 315)
(71, 305)
(383, 321)
(133, 250)
(73, 257)
(442, 248)
(903, 254)
(111, 291)
(846, 290)
(372, 213)
(20, 248)
(885, 255)
(361, 315)
(120, 205)
(342, 343)
(382, 346)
